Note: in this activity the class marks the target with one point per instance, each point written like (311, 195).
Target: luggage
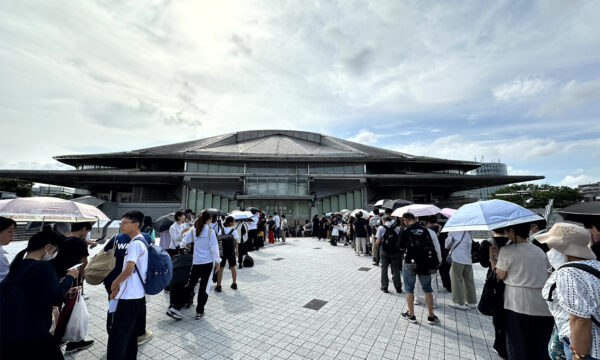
(248, 261)
(101, 265)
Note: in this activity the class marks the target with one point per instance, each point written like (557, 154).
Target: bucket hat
(569, 239)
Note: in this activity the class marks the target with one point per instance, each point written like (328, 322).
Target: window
(191, 166)
(202, 167)
(213, 168)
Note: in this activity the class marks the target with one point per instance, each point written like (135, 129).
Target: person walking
(422, 258)
(573, 290)
(7, 234)
(463, 286)
(230, 250)
(29, 292)
(206, 256)
(524, 268)
(387, 237)
(127, 298)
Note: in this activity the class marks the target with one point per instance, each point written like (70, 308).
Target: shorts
(230, 258)
(409, 273)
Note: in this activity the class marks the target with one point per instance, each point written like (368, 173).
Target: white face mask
(49, 256)
(556, 258)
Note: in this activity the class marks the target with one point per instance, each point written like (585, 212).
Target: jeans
(394, 261)
(277, 233)
(409, 273)
(122, 336)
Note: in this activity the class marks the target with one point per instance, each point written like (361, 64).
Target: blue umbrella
(489, 215)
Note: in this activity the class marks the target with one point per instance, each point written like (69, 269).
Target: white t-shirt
(253, 223)
(526, 267)
(242, 228)
(132, 287)
(176, 232)
(235, 234)
(284, 224)
(206, 246)
(577, 293)
(462, 248)
(277, 220)
(4, 263)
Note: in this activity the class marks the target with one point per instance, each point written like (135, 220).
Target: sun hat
(569, 239)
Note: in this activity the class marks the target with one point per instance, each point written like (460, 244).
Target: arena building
(294, 172)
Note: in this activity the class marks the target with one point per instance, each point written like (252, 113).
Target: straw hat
(569, 239)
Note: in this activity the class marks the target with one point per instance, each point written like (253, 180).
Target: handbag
(449, 257)
(556, 350)
(492, 295)
(101, 264)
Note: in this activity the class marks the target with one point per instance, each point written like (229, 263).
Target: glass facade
(282, 169)
(276, 186)
(292, 209)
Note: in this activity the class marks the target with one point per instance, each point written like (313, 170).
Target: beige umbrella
(49, 209)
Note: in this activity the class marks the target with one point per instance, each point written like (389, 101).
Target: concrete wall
(114, 210)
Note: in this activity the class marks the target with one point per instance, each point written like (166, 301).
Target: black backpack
(248, 261)
(226, 242)
(390, 239)
(422, 249)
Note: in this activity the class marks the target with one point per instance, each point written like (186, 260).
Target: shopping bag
(78, 323)
(65, 313)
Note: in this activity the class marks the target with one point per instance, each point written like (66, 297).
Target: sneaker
(416, 302)
(399, 291)
(218, 288)
(471, 306)
(375, 263)
(240, 266)
(198, 316)
(412, 319)
(234, 286)
(78, 345)
(458, 306)
(174, 313)
(385, 290)
(144, 338)
(432, 319)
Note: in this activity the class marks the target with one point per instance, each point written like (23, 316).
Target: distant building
(296, 173)
(52, 190)
(487, 169)
(591, 192)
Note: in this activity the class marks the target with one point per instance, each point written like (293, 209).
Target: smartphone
(75, 266)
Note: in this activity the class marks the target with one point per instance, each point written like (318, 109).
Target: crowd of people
(542, 287)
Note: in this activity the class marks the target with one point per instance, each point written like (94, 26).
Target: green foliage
(539, 195)
(20, 187)
(64, 196)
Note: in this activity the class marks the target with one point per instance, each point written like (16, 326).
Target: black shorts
(230, 258)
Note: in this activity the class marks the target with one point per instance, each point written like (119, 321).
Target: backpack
(226, 242)
(248, 261)
(389, 241)
(160, 269)
(422, 249)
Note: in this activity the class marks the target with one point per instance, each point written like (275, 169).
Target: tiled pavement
(266, 318)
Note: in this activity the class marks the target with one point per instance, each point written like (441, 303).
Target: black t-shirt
(360, 225)
(70, 253)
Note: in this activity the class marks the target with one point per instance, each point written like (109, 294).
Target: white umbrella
(417, 210)
(241, 215)
(489, 215)
(49, 209)
(365, 214)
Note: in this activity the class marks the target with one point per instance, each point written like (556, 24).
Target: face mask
(500, 241)
(556, 258)
(49, 256)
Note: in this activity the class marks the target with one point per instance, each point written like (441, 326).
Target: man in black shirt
(360, 232)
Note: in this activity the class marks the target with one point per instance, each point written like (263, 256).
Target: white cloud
(512, 171)
(520, 88)
(573, 181)
(364, 137)
(572, 95)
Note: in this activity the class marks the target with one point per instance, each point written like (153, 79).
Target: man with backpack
(387, 236)
(127, 298)
(422, 258)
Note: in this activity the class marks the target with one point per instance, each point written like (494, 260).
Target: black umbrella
(215, 212)
(394, 204)
(582, 212)
(164, 222)
(253, 210)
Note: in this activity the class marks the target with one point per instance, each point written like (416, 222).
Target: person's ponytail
(201, 221)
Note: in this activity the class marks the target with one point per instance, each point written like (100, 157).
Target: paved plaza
(266, 317)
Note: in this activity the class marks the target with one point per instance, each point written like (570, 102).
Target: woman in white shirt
(206, 256)
(177, 231)
(572, 293)
(461, 272)
(7, 233)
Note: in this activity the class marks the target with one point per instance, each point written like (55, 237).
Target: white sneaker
(174, 313)
(471, 306)
(458, 306)
(417, 302)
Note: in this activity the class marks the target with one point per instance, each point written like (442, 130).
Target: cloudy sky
(517, 81)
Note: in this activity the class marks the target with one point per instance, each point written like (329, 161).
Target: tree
(20, 187)
(537, 196)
